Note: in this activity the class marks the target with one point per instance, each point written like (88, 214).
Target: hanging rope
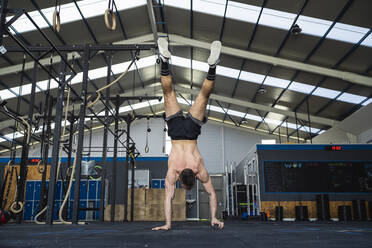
(16, 207)
(40, 168)
(60, 151)
(10, 168)
(56, 16)
(98, 92)
(109, 14)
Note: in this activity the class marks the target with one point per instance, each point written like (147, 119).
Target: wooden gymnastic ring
(14, 204)
(39, 168)
(109, 26)
(56, 21)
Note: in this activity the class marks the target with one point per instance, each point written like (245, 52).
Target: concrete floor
(191, 234)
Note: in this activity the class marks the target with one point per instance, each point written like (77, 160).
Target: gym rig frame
(86, 52)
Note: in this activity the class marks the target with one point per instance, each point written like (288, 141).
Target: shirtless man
(185, 162)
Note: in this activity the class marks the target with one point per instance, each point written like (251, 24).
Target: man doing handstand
(185, 162)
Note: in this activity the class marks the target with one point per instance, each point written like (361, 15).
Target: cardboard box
(138, 214)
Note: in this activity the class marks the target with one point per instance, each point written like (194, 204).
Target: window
(268, 141)
(168, 145)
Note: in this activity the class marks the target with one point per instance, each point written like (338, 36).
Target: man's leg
(170, 100)
(197, 110)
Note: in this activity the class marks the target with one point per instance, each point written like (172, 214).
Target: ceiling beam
(344, 75)
(150, 11)
(57, 59)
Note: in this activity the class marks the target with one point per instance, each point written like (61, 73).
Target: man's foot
(215, 53)
(163, 49)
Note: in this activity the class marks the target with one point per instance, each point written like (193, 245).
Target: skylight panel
(242, 12)
(236, 113)
(367, 102)
(351, 98)
(251, 77)
(6, 94)
(139, 105)
(367, 41)
(327, 93)
(276, 82)
(313, 26)
(69, 13)
(214, 7)
(300, 87)
(347, 33)
(253, 117)
(183, 62)
(227, 72)
(277, 19)
(272, 121)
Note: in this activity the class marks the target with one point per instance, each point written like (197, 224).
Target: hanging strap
(148, 130)
(164, 136)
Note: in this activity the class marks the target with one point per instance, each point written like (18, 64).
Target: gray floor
(191, 234)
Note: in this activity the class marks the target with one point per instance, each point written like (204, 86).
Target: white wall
(218, 143)
(365, 136)
(335, 135)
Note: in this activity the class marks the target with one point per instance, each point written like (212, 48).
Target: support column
(128, 120)
(3, 10)
(75, 213)
(25, 148)
(104, 151)
(115, 162)
(47, 117)
(56, 145)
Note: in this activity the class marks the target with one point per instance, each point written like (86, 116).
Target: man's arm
(208, 186)
(169, 195)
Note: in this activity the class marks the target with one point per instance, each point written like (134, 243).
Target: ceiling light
(261, 90)
(296, 29)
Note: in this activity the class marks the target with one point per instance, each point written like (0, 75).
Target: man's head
(187, 178)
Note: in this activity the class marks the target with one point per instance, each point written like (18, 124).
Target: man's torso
(185, 154)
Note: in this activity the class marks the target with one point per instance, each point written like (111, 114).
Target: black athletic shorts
(182, 127)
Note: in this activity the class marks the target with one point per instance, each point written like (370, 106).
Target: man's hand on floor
(215, 221)
(165, 227)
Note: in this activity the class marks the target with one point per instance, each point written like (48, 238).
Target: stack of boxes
(149, 206)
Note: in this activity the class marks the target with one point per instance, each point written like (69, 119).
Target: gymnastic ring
(10, 163)
(13, 207)
(100, 176)
(56, 21)
(39, 168)
(109, 26)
